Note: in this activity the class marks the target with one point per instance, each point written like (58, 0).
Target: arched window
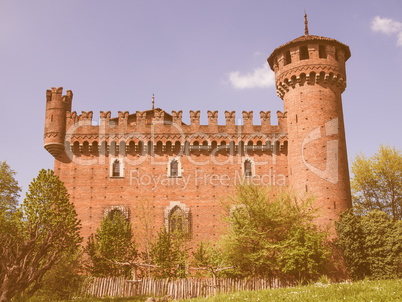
(114, 214)
(176, 220)
(116, 167)
(114, 211)
(174, 168)
(248, 167)
(248, 171)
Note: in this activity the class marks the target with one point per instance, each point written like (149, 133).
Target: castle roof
(308, 38)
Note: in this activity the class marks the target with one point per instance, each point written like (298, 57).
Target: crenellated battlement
(56, 95)
(159, 129)
(159, 119)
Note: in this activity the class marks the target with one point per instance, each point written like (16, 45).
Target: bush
(371, 245)
(272, 233)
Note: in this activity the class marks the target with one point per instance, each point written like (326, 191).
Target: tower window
(303, 53)
(288, 58)
(322, 52)
(336, 54)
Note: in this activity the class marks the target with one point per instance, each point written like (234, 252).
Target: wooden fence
(177, 289)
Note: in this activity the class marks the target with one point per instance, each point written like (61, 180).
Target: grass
(384, 290)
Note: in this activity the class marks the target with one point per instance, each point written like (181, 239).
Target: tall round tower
(310, 78)
(55, 122)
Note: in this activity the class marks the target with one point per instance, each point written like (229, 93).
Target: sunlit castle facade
(183, 170)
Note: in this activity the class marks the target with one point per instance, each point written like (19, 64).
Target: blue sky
(193, 55)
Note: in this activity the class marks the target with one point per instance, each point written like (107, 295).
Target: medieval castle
(182, 170)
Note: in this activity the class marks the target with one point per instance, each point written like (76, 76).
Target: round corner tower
(55, 121)
(310, 77)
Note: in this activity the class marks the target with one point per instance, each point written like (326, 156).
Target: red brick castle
(182, 170)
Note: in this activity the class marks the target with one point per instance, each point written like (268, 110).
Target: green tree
(112, 247)
(383, 245)
(351, 241)
(371, 245)
(272, 233)
(145, 231)
(63, 281)
(36, 235)
(168, 253)
(377, 182)
(9, 189)
(211, 259)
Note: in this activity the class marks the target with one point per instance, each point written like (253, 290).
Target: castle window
(336, 54)
(114, 214)
(177, 218)
(248, 167)
(113, 211)
(304, 53)
(116, 167)
(276, 62)
(174, 167)
(322, 52)
(288, 58)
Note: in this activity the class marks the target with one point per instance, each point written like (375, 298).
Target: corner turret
(57, 106)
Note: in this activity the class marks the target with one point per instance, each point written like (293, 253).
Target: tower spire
(153, 101)
(305, 24)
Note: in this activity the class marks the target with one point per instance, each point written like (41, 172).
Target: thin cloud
(399, 41)
(260, 77)
(387, 26)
